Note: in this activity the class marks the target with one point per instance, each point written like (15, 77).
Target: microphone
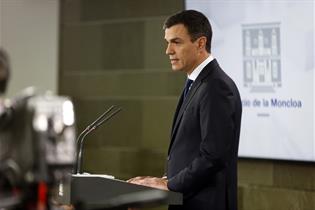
(99, 121)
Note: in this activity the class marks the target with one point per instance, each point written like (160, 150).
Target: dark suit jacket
(202, 156)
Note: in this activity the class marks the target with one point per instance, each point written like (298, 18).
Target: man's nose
(169, 50)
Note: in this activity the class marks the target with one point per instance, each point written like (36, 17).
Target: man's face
(183, 53)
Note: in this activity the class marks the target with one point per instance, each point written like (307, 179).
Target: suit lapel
(179, 104)
(183, 103)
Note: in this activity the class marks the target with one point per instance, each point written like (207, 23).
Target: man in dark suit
(202, 156)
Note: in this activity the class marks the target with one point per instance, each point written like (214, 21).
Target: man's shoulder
(217, 79)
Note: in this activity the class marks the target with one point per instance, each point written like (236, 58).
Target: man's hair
(4, 70)
(197, 25)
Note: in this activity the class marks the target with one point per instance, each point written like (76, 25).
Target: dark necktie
(187, 86)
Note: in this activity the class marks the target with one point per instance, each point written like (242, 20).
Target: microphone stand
(99, 121)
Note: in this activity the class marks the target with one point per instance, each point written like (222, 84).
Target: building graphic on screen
(261, 56)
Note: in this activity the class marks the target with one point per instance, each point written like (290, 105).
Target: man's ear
(202, 41)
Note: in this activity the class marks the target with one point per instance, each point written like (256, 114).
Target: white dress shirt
(194, 74)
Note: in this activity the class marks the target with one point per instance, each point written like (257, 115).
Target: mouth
(173, 60)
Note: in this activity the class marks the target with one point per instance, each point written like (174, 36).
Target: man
(202, 156)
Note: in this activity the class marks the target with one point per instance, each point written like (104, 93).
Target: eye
(176, 41)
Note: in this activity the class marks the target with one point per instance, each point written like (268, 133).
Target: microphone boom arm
(99, 121)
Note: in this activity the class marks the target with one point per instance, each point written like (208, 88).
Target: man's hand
(149, 181)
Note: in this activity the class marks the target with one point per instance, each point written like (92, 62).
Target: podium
(105, 192)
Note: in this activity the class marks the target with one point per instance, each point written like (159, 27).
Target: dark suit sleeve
(217, 107)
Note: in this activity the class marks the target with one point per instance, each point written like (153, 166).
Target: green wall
(113, 52)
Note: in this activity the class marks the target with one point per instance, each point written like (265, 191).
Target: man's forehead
(176, 31)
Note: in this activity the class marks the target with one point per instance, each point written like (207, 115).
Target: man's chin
(175, 68)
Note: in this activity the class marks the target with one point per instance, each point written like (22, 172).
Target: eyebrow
(176, 39)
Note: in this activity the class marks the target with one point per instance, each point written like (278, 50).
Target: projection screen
(268, 48)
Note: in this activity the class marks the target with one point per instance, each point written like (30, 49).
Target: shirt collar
(194, 74)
